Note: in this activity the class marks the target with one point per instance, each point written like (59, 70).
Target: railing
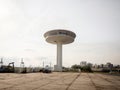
(60, 33)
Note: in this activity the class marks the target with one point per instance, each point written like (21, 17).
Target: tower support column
(59, 57)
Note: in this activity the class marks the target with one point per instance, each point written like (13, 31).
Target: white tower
(59, 37)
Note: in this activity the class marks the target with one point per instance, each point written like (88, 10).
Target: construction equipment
(7, 69)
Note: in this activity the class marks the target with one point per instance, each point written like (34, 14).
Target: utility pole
(21, 65)
(1, 62)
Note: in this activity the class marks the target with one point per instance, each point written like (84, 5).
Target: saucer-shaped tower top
(59, 36)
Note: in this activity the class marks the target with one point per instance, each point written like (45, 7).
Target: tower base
(57, 68)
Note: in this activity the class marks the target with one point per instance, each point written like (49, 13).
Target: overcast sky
(95, 22)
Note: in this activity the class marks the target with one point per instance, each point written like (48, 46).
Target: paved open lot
(59, 81)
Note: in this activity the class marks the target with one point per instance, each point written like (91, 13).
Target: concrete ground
(59, 81)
